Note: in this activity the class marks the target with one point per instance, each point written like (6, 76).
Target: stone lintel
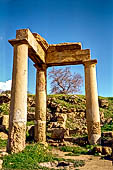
(67, 56)
(65, 46)
(41, 41)
(90, 62)
(36, 52)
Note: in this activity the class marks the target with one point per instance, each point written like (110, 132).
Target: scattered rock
(4, 120)
(4, 154)
(4, 99)
(97, 149)
(108, 134)
(103, 103)
(31, 116)
(59, 133)
(31, 130)
(106, 150)
(3, 136)
(1, 162)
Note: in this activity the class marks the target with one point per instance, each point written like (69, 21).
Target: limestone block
(5, 121)
(1, 162)
(59, 133)
(36, 52)
(16, 141)
(3, 136)
(108, 134)
(67, 53)
(106, 150)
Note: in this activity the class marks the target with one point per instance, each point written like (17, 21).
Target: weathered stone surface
(97, 149)
(17, 136)
(40, 131)
(61, 119)
(41, 41)
(4, 120)
(4, 99)
(31, 131)
(40, 112)
(103, 103)
(1, 162)
(67, 53)
(3, 136)
(18, 109)
(108, 134)
(59, 133)
(92, 107)
(36, 52)
(31, 116)
(106, 150)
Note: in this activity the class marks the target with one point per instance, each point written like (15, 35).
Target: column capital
(40, 67)
(17, 41)
(90, 62)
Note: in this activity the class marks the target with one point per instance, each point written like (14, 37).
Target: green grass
(74, 150)
(29, 123)
(3, 143)
(28, 159)
(107, 127)
(4, 109)
(108, 112)
(31, 156)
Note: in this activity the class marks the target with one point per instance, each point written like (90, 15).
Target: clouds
(5, 85)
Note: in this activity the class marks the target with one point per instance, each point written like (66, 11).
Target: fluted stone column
(40, 112)
(92, 107)
(18, 108)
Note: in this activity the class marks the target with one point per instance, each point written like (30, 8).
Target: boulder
(4, 120)
(30, 116)
(1, 162)
(4, 99)
(3, 136)
(108, 134)
(97, 149)
(59, 133)
(106, 150)
(103, 103)
(31, 130)
(61, 119)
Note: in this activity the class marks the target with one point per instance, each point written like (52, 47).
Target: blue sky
(87, 21)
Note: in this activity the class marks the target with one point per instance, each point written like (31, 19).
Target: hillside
(70, 150)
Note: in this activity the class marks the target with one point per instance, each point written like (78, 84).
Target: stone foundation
(40, 131)
(94, 132)
(17, 136)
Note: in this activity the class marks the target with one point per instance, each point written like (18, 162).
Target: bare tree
(64, 82)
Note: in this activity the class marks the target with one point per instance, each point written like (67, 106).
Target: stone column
(40, 112)
(18, 108)
(92, 107)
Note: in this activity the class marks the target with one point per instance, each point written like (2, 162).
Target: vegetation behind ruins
(74, 107)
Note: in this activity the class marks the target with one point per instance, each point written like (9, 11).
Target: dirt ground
(91, 162)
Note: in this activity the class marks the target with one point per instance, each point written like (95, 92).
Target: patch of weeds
(4, 109)
(66, 148)
(31, 109)
(29, 123)
(107, 127)
(74, 150)
(79, 163)
(28, 159)
(3, 143)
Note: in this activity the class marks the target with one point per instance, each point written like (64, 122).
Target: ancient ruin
(44, 55)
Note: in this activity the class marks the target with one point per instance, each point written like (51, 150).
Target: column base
(40, 131)
(17, 136)
(94, 132)
(94, 139)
